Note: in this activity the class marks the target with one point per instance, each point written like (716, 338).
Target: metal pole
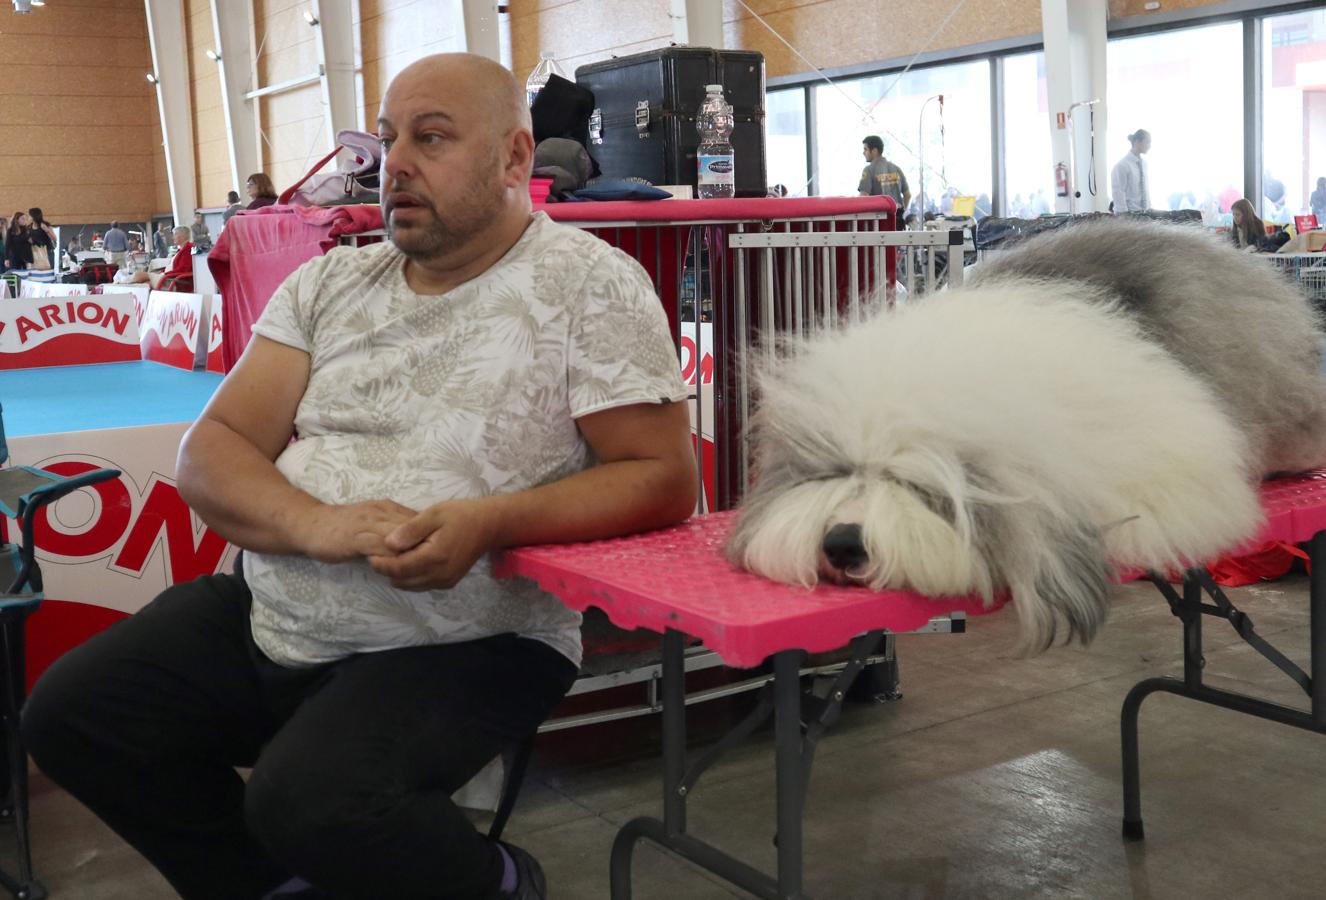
(674, 732)
(791, 773)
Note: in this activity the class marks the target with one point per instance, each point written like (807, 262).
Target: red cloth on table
(258, 249)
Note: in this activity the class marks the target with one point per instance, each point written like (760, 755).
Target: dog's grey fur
(1229, 317)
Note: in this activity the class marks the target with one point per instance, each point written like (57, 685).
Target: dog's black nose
(843, 547)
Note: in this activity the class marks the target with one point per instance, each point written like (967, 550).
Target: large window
(1186, 88)
(1028, 156)
(954, 135)
(1294, 115)
(785, 136)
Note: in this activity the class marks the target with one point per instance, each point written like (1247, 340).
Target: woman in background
(1249, 232)
(18, 242)
(261, 191)
(41, 235)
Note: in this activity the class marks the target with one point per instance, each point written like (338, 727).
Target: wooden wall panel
(82, 135)
(395, 33)
(296, 134)
(829, 33)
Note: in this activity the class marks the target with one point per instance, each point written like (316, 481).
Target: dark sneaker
(530, 884)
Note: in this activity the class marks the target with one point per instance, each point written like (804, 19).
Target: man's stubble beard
(478, 207)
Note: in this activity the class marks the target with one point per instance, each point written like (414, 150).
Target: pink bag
(354, 181)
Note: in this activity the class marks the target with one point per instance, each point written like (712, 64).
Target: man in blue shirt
(116, 243)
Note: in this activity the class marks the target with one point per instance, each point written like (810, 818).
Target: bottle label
(717, 169)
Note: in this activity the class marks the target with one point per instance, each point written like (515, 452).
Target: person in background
(1249, 232)
(1130, 185)
(199, 235)
(18, 242)
(40, 224)
(161, 242)
(1317, 202)
(881, 176)
(261, 191)
(41, 236)
(115, 242)
(232, 206)
(181, 264)
(4, 236)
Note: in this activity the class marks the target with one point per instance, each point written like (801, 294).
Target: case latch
(596, 126)
(642, 119)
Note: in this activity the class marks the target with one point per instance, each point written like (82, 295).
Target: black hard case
(645, 105)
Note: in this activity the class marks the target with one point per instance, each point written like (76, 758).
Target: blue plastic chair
(23, 491)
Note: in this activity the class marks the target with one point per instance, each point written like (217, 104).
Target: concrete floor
(993, 778)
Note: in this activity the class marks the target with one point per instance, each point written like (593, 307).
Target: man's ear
(520, 157)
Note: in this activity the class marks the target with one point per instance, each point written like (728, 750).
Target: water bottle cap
(713, 88)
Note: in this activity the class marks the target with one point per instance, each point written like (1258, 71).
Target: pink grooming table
(678, 579)
(677, 582)
(1295, 512)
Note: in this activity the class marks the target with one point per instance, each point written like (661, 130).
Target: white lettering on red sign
(129, 528)
(72, 312)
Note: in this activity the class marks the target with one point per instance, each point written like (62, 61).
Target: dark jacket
(260, 202)
(18, 249)
(1262, 242)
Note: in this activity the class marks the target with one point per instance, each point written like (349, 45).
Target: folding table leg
(791, 771)
(674, 772)
(1317, 626)
(1193, 661)
(25, 887)
(670, 833)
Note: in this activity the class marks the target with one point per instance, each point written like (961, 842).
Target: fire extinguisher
(1061, 179)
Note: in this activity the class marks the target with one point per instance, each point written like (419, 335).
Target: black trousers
(353, 762)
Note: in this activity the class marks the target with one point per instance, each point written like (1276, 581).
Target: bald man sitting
(485, 379)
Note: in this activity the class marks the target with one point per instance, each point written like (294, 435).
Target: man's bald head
(486, 86)
(457, 155)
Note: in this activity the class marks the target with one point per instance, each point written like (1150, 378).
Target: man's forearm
(604, 501)
(238, 492)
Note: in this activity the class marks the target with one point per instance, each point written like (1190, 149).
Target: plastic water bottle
(546, 68)
(714, 158)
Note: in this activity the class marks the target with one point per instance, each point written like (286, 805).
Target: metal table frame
(1189, 608)
(800, 720)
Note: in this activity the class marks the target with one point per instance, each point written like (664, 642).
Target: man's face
(870, 153)
(444, 171)
(1144, 144)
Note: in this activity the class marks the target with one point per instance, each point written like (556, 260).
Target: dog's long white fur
(1030, 433)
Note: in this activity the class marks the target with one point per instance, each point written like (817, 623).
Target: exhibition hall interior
(610, 449)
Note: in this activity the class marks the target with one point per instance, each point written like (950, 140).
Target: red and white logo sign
(171, 328)
(108, 550)
(215, 336)
(67, 331)
(39, 289)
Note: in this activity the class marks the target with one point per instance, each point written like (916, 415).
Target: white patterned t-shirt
(421, 398)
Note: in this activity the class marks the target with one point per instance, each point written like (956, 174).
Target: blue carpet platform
(108, 395)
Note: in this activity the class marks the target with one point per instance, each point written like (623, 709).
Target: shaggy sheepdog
(1104, 396)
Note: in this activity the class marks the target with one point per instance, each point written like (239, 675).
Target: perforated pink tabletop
(678, 578)
(1295, 507)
